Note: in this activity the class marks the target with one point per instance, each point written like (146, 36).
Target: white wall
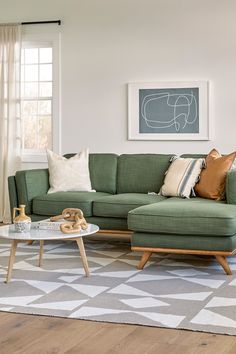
(108, 43)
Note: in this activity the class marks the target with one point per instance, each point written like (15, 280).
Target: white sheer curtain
(10, 55)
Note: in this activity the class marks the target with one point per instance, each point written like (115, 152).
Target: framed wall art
(168, 111)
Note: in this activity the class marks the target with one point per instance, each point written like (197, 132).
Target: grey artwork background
(169, 111)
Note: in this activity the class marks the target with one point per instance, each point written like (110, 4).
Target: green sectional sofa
(124, 201)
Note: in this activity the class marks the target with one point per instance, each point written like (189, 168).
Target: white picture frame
(168, 111)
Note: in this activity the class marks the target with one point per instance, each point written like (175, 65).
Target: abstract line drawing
(182, 109)
(168, 110)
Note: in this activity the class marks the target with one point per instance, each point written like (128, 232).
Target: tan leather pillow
(212, 179)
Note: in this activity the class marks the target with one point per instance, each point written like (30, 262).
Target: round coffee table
(36, 234)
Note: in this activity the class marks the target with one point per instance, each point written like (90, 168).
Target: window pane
(31, 89)
(45, 89)
(44, 107)
(30, 132)
(31, 56)
(45, 55)
(36, 97)
(31, 72)
(45, 132)
(45, 72)
(28, 108)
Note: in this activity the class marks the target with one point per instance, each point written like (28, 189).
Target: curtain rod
(41, 22)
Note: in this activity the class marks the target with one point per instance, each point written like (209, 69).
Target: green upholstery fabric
(119, 205)
(30, 184)
(103, 171)
(35, 217)
(194, 156)
(108, 223)
(203, 242)
(141, 173)
(231, 187)
(54, 203)
(195, 216)
(12, 193)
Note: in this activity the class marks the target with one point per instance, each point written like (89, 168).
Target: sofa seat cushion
(195, 216)
(53, 204)
(119, 205)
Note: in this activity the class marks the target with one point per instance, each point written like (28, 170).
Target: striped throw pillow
(181, 177)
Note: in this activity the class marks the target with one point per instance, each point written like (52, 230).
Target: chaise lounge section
(193, 226)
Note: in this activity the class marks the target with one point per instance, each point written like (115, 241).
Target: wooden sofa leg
(224, 264)
(145, 257)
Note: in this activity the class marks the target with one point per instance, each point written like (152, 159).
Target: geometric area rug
(173, 291)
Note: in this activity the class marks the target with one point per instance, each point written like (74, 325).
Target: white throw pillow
(181, 177)
(69, 174)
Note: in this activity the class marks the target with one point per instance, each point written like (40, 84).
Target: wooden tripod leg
(11, 260)
(41, 242)
(80, 244)
(145, 257)
(224, 264)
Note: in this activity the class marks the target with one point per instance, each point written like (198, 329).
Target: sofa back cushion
(103, 171)
(141, 173)
(193, 156)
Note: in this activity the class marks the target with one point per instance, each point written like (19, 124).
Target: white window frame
(54, 39)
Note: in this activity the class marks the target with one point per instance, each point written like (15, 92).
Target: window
(39, 99)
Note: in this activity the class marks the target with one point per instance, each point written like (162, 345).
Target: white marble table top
(8, 232)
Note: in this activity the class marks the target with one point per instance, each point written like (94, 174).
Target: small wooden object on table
(75, 220)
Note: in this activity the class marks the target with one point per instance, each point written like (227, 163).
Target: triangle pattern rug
(174, 291)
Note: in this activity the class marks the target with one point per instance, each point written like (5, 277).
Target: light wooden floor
(28, 334)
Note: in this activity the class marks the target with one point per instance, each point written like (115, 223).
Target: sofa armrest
(13, 199)
(231, 187)
(30, 184)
